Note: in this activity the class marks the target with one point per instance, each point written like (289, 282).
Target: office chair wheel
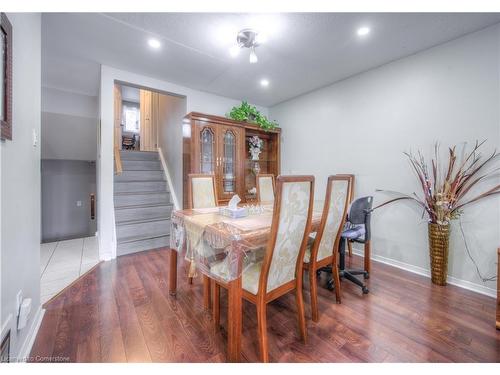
(365, 290)
(330, 285)
(366, 275)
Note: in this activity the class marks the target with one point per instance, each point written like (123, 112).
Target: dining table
(221, 248)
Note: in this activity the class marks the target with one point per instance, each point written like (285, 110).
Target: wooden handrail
(118, 161)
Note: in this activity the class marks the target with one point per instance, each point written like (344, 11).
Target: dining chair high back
(201, 194)
(201, 191)
(280, 271)
(323, 251)
(265, 188)
(349, 201)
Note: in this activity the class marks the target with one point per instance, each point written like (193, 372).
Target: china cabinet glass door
(207, 151)
(228, 162)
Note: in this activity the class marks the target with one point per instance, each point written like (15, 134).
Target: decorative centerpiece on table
(445, 193)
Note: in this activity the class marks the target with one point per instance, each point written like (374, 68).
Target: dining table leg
(172, 281)
(234, 318)
(206, 293)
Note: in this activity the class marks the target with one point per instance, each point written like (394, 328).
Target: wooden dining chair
(350, 198)
(202, 193)
(265, 188)
(280, 271)
(324, 248)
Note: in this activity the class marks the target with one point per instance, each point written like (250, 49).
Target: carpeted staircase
(142, 203)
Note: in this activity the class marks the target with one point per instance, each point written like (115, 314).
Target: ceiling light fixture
(154, 43)
(363, 31)
(264, 82)
(247, 38)
(253, 56)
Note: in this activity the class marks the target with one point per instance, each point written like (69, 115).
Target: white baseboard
(25, 351)
(425, 272)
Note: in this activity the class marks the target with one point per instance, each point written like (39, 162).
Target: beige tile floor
(63, 262)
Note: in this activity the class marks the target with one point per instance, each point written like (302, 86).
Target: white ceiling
(130, 94)
(304, 51)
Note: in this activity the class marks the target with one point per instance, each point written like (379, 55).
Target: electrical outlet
(78, 203)
(19, 301)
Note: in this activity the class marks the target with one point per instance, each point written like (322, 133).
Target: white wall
(363, 124)
(69, 125)
(66, 137)
(64, 184)
(195, 101)
(69, 103)
(20, 184)
(172, 110)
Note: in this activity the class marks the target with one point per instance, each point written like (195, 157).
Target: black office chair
(357, 229)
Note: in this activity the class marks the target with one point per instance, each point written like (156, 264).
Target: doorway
(128, 117)
(137, 118)
(147, 137)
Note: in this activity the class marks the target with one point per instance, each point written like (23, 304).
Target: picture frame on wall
(6, 77)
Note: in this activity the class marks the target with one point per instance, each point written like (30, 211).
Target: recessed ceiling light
(154, 43)
(363, 31)
(234, 51)
(264, 82)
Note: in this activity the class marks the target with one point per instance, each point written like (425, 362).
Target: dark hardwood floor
(121, 311)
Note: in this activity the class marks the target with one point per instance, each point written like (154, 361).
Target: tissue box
(234, 213)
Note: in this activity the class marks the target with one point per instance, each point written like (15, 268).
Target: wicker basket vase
(439, 238)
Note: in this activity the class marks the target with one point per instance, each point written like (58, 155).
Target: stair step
(142, 212)
(134, 245)
(139, 155)
(142, 203)
(144, 165)
(140, 176)
(141, 198)
(140, 187)
(151, 221)
(145, 228)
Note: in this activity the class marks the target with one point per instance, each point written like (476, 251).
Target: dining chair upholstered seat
(265, 188)
(310, 242)
(249, 277)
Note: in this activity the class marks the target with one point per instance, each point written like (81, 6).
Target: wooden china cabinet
(217, 145)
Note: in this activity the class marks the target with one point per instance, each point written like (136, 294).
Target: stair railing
(118, 161)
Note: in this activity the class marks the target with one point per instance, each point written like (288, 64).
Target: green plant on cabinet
(247, 112)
